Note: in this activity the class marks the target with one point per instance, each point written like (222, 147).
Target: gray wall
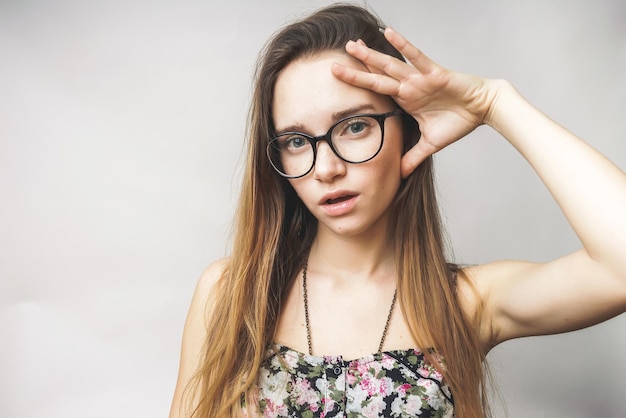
(120, 153)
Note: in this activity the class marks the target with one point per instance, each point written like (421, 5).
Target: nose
(328, 165)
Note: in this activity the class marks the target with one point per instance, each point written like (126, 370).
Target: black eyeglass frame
(313, 140)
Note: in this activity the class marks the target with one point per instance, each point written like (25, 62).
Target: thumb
(414, 157)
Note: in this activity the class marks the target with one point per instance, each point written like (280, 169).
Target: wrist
(500, 93)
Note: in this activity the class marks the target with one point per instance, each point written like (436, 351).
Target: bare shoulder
(195, 331)
(208, 281)
(202, 302)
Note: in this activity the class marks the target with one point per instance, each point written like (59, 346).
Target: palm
(433, 100)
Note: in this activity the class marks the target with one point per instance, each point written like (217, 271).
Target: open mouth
(338, 199)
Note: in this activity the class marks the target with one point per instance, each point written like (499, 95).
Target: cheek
(390, 168)
(396, 137)
(391, 157)
(384, 174)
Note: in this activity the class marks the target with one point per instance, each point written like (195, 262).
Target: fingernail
(357, 44)
(352, 44)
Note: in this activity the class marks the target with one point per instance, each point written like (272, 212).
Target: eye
(354, 128)
(292, 142)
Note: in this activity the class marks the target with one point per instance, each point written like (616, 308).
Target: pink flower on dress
(413, 405)
(387, 362)
(274, 410)
(373, 409)
(425, 383)
(328, 405)
(385, 386)
(350, 378)
(305, 395)
(429, 371)
(403, 388)
(368, 384)
(363, 368)
(375, 367)
(291, 361)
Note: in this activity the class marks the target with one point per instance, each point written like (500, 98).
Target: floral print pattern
(396, 383)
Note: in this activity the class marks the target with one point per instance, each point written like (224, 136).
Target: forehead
(308, 96)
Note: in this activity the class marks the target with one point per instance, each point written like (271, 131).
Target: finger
(377, 83)
(370, 68)
(383, 63)
(415, 156)
(416, 57)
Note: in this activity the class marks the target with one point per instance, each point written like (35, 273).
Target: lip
(340, 207)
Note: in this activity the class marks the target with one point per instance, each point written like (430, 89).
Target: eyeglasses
(355, 139)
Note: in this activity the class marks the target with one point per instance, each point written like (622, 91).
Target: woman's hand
(446, 104)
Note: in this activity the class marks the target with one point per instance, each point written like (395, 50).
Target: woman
(337, 298)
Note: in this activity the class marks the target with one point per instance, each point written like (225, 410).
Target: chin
(355, 229)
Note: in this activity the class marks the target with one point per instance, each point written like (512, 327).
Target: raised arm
(582, 288)
(518, 298)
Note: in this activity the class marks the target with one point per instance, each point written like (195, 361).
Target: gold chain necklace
(306, 313)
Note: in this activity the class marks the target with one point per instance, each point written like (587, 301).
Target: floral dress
(397, 383)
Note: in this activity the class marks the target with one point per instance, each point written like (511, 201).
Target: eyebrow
(299, 127)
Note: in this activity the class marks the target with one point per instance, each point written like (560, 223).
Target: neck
(352, 258)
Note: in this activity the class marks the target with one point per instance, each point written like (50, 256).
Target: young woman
(338, 299)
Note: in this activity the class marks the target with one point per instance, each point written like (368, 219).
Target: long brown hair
(274, 231)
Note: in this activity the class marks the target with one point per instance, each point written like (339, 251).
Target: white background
(121, 126)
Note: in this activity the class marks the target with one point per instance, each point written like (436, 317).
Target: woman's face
(347, 199)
